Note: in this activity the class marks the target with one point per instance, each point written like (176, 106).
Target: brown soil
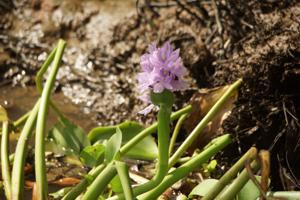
(254, 40)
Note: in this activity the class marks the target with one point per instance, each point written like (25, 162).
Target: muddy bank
(28, 32)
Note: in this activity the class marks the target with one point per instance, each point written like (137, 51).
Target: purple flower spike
(162, 69)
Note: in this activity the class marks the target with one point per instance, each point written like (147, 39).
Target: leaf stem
(122, 170)
(287, 195)
(230, 174)
(39, 77)
(100, 183)
(216, 145)
(208, 117)
(40, 165)
(238, 183)
(176, 132)
(21, 120)
(79, 188)
(5, 159)
(20, 154)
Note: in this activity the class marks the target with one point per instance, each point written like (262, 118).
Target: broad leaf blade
(249, 191)
(202, 188)
(129, 129)
(69, 137)
(146, 149)
(92, 155)
(116, 184)
(79, 133)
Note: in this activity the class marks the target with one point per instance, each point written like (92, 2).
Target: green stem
(234, 188)
(43, 69)
(19, 122)
(163, 119)
(5, 159)
(100, 183)
(230, 174)
(39, 77)
(151, 129)
(208, 117)
(287, 195)
(183, 160)
(217, 145)
(176, 131)
(38, 83)
(40, 165)
(20, 154)
(78, 189)
(122, 170)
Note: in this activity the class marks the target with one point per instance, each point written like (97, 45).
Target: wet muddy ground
(220, 41)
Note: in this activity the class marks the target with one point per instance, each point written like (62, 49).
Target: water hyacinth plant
(103, 150)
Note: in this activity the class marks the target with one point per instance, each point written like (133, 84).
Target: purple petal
(146, 110)
(162, 69)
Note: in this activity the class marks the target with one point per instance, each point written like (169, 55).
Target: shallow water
(19, 100)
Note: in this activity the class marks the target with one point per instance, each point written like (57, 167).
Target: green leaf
(3, 114)
(249, 191)
(129, 129)
(113, 146)
(116, 184)
(202, 188)
(92, 155)
(69, 137)
(60, 193)
(146, 149)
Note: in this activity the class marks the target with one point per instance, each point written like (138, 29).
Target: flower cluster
(162, 69)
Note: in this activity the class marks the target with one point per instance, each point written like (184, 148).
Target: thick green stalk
(208, 117)
(176, 132)
(163, 119)
(40, 165)
(100, 183)
(230, 174)
(78, 189)
(5, 159)
(217, 145)
(122, 170)
(20, 154)
(234, 188)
